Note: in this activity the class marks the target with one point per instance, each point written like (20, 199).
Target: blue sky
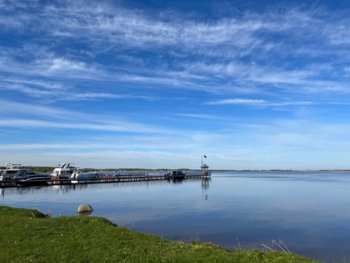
(156, 84)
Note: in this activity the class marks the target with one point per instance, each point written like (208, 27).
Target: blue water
(309, 212)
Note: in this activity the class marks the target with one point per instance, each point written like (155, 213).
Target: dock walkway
(101, 179)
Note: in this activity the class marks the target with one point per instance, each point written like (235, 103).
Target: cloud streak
(237, 101)
(39, 117)
(259, 102)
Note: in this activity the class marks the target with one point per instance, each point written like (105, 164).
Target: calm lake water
(309, 212)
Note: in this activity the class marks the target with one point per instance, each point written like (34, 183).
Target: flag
(204, 156)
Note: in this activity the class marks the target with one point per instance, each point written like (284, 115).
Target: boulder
(85, 208)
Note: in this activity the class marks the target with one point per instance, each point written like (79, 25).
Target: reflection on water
(65, 189)
(308, 211)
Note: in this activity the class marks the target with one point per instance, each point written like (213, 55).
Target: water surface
(310, 212)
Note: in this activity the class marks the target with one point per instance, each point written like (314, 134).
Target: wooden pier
(107, 179)
(102, 180)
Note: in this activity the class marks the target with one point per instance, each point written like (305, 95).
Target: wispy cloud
(38, 117)
(202, 116)
(58, 91)
(262, 103)
(276, 141)
(237, 101)
(12, 107)
(116, 126)
(100, 22)
(218, 46)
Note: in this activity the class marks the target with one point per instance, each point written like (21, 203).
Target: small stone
(85, 208)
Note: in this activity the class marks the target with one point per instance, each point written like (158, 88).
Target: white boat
(14, 171)
(64, 170)
(137, 173)
(80, 176)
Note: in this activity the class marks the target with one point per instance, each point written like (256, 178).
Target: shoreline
(27, 234)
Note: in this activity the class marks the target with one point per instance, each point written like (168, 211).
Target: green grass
(28, 236)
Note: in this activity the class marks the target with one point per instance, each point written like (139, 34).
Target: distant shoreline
(50, 168)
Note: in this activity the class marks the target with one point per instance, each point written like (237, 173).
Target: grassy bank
(28, 236)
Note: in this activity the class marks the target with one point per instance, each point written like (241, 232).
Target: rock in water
(85, 208)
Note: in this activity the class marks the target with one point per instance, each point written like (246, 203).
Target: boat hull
(33, 181)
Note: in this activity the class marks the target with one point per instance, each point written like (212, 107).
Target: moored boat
(18, 174)
(37, 179)
(178, 175)
(80, 176)
(63, 171)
